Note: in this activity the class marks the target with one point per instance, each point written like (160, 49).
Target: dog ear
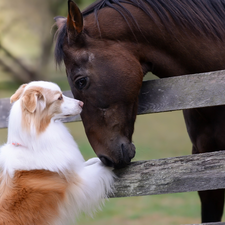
(30, 100)
(18, 93)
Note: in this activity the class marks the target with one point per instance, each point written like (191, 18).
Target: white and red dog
(44, 178)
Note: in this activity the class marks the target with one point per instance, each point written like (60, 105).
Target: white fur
(43, 84)
(56, 151)
(69, 106)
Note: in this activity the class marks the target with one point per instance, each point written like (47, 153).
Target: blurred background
(26, 53)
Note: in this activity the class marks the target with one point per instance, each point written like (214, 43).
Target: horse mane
(205, 17)
(202, 16)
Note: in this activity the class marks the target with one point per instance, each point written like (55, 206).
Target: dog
(44, 178)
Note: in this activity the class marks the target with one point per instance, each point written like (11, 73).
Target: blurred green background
(26, 53)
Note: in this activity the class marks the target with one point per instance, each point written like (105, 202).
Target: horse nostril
(106, 161)
(128, 152)
(125, 154)
(133, 151)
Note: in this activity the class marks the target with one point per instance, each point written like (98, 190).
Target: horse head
(107, 78)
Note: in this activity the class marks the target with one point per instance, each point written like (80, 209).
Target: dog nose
(81, 104)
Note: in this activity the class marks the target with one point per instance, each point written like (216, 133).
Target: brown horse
(108, 49)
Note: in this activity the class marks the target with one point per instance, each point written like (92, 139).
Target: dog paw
(92, 161)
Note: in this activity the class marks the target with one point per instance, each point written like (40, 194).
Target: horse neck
(165, 51)
(111, 25)
(137, 35)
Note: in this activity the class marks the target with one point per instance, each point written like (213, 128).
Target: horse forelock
(59, 39)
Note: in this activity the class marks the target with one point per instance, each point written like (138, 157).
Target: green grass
(163, 209)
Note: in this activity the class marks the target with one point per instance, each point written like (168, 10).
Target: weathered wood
(4, 112)
(183, 92)
(168, 94)
(172, 175)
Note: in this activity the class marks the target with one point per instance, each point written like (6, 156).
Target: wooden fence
(171, 175)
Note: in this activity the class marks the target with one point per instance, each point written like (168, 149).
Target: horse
(109, 47)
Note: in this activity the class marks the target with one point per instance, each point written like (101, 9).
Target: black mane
(206, 17)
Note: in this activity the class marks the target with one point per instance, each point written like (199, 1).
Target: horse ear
(18, 93)
(30, 99)
(74, 20)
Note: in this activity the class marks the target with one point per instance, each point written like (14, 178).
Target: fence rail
(172, 175)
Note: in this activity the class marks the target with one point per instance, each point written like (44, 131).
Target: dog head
(41, 102)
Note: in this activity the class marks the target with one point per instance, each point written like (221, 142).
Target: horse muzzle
(126, 153)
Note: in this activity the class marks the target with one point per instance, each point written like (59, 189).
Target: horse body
(109, 49)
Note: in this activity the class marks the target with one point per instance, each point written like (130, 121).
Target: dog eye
(81, 83)
(60, 98)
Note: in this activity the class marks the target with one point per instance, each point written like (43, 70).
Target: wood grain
(172, 175)
(182, 92)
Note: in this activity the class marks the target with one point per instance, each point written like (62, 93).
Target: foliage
(26, 33)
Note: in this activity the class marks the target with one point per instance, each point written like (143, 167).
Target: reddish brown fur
(122, 55)
(18, 93)
(31, 197)
(30, 98)
(30, 107)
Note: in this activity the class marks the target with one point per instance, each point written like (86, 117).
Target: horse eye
(81, 83)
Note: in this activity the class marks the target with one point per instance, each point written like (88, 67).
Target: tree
(25, 36)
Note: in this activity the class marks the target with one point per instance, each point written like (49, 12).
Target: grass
(159, 135)
(163, 209)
